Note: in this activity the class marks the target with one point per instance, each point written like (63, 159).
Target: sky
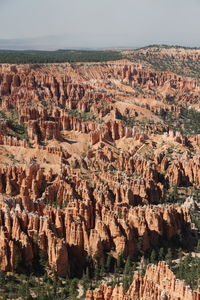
(54, 24)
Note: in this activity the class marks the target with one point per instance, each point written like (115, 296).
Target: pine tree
(188, 258)
(24, 290)
(97, 273)
(168, 256)
(134, 267)
(115, 268)
(55, 287)
(87, 273)
(108, 263)
(181, 270)
(127, 267)
(161, 254)
(102, 266)
(73, 288)
(174, 193)
(119, 262)
(140, 245)
(115, 273)
(2, 278)
(198, 246)
(86, 277)
(125, 283)
(153, 256)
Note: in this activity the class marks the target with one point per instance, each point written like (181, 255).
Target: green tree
(153, 256)
(127, 267)
(87, 273)
(126, 283)
(2, 278)
(198, 246)
(23, 290)
(119, 262)
(108, 263)
(168, 256)
(73, 288)
(97, 273)
(161, 254)
(173, 197)
(140, 246)
(102, 266)
(86, 277)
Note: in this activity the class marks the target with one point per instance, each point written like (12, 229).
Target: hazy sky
(101, 23)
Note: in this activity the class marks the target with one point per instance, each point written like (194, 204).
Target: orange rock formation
(159, 283)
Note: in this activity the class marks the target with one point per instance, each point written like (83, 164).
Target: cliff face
(158, 283)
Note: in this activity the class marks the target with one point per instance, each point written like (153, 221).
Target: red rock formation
(158, 283)
(93, 226)
(24, 235)
(97, 165)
